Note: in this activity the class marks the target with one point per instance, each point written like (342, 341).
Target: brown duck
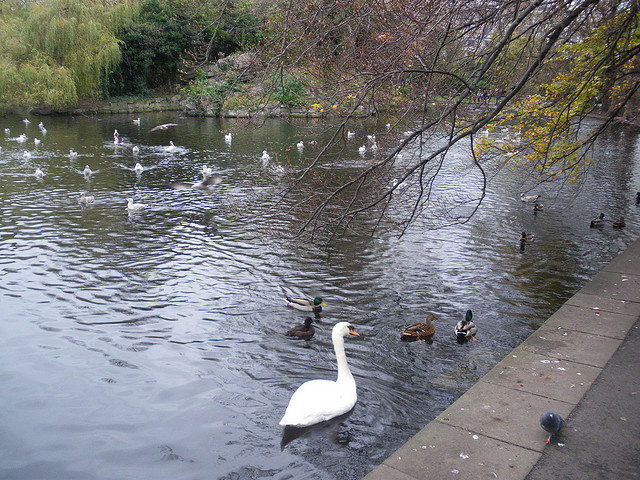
(420, 331)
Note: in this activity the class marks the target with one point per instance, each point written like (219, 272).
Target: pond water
(151, 345)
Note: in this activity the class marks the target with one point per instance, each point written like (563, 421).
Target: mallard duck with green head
(466, 328)
(306, 304)
(420, 331)
(597, 222)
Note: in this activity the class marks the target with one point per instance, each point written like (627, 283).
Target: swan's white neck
(344, 374)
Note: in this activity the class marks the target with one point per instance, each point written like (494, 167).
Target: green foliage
(154, 44)
(54, 51)
(205, 95)
(289, 91)
(33, 82)
(200, 89)
(78, 35)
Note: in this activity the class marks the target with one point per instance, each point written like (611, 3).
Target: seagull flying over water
(207, 185)
(164, 126)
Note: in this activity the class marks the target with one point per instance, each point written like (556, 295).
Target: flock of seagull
(207, 184)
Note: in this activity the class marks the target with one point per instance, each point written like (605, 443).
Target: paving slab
(561, 343)
(615, 285)
(550, 377)
(601, 437)
(627, 261)
(441, 452)
(503, 414)
(604, 304)
(383, 472)
(593, 321)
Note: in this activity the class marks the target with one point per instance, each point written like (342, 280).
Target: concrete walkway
(582, 363)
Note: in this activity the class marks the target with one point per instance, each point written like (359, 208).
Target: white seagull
(171, 147)
(85, 199)
(135, 207)
(164, 126)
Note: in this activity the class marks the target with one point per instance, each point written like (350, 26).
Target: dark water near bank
(151, 345)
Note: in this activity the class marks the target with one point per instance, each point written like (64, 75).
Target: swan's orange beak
(353, 332)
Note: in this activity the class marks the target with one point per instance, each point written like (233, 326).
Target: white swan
(138, 168)
(228, 137)
(319, 400)
(135, 149)
(39, 173)
(87, 171)
(265, 157)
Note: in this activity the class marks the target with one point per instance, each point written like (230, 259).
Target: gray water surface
(151, 345)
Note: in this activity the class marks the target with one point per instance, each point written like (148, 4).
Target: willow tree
(26, 77)
(443, 53)
(65, 47)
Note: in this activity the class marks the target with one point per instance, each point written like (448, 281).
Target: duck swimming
(597, 222)
(466, 328)
(420, 331)
(538, 207)
(306, 304)
(620, 223)
(524, 238)
(304, 331)
(316, 401)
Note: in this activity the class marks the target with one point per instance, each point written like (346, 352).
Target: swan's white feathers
(315, 401)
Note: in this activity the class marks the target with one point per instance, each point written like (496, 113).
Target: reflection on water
(151, 344)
